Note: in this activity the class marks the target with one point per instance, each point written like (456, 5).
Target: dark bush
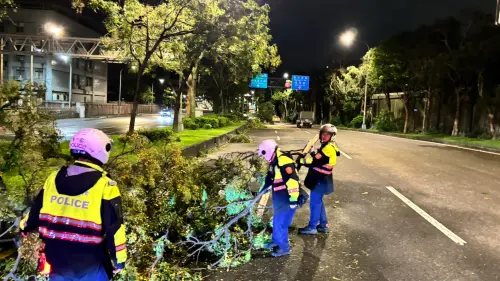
(265, 112)
(386, 122)
(336, 121)
(207, 126)
(356, 122)
(155, 135)
(189, 123)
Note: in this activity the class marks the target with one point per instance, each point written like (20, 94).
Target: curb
(427, 139)
(196, 150)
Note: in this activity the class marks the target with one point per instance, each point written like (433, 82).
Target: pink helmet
(92, 144)
(267, 150)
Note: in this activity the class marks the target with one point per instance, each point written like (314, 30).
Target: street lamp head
(64, 58)
(54, 30)
(286, 75)
(348, 37)
(133, 67)
(161, 80)
(252, 91)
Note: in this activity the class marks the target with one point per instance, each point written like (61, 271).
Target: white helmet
(267, 149)
(92, 144)
(329, 129)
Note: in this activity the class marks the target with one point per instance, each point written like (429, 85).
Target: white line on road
(275, 132)
(428, 217)
(345, 154)
(278, 137)
(307, 132)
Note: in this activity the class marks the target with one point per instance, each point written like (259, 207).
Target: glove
(293, 204)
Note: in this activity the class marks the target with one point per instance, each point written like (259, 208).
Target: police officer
(319, 179)
(283, 179)
(78, 215)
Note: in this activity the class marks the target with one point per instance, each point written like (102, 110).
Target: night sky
(306, 31)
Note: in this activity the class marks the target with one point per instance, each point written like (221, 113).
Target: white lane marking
(428, 217)
(435, 143)
(278, 137)
(307, 132)
(346, 156)
(275, 132)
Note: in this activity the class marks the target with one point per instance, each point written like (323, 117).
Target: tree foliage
(450, 62)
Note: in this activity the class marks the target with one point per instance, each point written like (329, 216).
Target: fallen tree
(181, 215)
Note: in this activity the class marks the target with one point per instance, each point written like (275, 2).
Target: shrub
(265, 112)
(240, 138)
(235, 117)
(223, 121)
(189, 123)
(356, 122)
(255, 124)
(336, 121)
(207, 126)
(155, 135)
(213, 120)
(386, 122)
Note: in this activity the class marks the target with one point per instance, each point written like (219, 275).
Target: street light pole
(120, 91)
(70, 80)
(363, 127)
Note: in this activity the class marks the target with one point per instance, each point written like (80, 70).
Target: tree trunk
(286, 111)
(456, 121)
(178, 127)
(221, 96)
(491, 119)
(388, 100)
(427, 108)
(133, 114)
(192, 83)
(407, 115)
(438, 117)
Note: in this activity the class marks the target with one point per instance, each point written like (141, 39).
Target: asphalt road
(374, 234)
(109, 125)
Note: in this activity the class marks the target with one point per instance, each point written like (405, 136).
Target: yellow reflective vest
(90, 222)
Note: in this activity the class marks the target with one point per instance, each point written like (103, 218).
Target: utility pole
(497, 14)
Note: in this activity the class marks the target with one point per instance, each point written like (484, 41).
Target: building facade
(89, 77)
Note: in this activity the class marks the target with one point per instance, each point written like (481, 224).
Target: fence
(96, 110)
(61, 112)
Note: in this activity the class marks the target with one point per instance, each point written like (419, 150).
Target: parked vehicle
(305, 119)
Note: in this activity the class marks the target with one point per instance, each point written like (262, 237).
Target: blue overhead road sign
(300, 83)
(259, 82)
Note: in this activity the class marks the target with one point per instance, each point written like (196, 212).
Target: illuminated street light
(64, 58)
(54, 30)
(348, 37)
(161, 80)
(67, 60)
(286, 75)
(252, 91)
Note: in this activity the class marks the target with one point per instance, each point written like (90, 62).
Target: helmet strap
(91, 165)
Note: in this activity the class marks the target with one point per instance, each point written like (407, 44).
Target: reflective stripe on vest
(70, 221)
(69, 236)
(325, 169)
